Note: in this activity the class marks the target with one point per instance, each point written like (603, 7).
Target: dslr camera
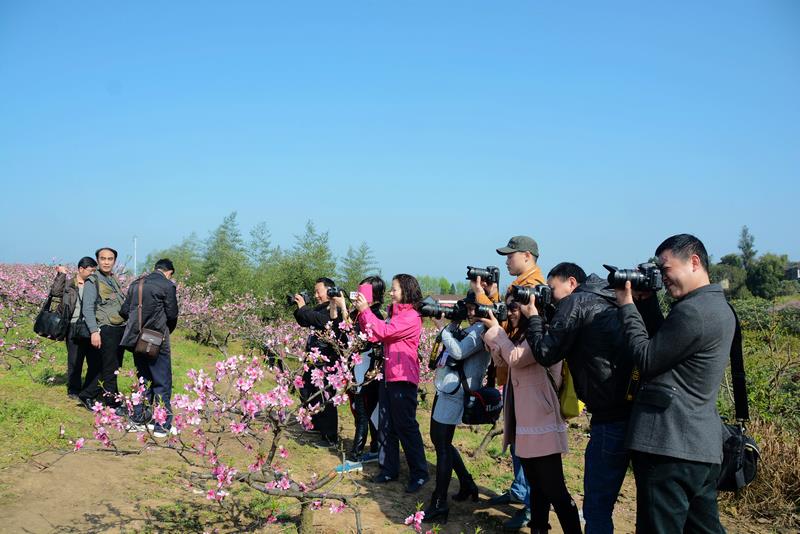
(335, 292)
(645, 277)
(308, 297)
(490, 275)
(431, 308)
(499, 310)
(542, 293)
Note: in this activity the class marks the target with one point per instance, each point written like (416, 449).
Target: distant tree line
(234, 265)
(745, 274)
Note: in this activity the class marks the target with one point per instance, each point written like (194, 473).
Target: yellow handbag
(571, 406)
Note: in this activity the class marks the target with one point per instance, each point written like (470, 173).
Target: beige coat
(532, 415)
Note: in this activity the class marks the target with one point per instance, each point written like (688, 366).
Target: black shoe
(87, 403)
(437, 511)
(72, 395)
(505, 498)
(415, 485)
(467, 491)
(518, 520)
(383, 478)
(325, 443)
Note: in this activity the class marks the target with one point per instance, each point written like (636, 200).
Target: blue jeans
(520, 488)
(606, 462)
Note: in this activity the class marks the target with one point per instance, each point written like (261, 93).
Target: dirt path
(98, 492)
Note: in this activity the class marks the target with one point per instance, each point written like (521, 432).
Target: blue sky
(433, 131)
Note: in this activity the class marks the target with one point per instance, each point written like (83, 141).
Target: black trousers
(76, 354)
(447, 458)
(327, 420)
(362, 404)
(674, 495)
(398, 425)
(545, 475)
(101, 380)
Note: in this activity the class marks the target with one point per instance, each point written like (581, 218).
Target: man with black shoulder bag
(674, 433)
(151, 308)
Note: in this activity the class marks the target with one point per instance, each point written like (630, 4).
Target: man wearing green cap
(522, 253)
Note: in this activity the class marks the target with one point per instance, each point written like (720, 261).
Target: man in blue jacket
(675, 433)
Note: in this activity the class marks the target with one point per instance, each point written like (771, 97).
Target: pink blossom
(79, 444)
(337, 507)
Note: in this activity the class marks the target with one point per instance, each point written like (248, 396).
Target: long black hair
(412, 294)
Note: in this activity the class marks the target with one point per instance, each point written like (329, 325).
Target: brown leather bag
(148, 344)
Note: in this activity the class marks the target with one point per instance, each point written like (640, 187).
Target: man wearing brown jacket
(522, 254)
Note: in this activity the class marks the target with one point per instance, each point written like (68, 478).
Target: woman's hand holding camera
(440, 321)
(360, 303)
(530, 308)
(490, 321)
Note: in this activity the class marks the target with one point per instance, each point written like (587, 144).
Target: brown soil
(95, 491)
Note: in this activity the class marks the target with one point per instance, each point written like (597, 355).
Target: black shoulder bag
(481, 406)
(48, 323)
(740, 453)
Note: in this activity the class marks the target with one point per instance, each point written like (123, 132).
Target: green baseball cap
(520, 243)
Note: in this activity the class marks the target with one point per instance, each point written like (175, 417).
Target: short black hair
(101, 249)
(566, 269)
(164, 264)
(86, 261)
(324, 280)
(378, 288)
(683, 246)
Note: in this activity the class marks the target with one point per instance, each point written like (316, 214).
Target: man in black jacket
(317, 317)
(586, 330)
(675, 433)
(159, 312)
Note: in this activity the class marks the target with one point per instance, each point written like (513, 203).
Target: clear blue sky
(431, 130)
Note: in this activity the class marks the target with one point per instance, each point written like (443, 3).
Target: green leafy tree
(298, 268)
(735, 277)
(225, 260)
(765, 275)
(357, 264)
(748, 251)
(187, 257)
(734, 260)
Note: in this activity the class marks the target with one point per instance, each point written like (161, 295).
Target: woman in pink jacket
(398, 390)
(533, 422)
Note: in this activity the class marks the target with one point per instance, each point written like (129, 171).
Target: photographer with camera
(522, 254)
(364, 398)
(400, 335)
(532, 421)
(317, 317)
(464, 353)
(586, 332)
(675, 433)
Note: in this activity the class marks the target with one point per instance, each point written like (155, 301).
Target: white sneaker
(135, 427)
(161, 433)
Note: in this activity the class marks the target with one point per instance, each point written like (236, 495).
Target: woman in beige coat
(533, 422)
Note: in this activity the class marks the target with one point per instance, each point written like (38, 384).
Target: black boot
(437, 511)
(466, 491)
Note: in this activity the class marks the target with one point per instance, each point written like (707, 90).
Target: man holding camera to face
(674, 433)
(317, 317)
(522, 254)
(586, 331)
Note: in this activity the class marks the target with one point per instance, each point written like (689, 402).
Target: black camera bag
(481, 406)
(50, 324)
(740, 453)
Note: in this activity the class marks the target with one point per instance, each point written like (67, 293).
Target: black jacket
(159, 307)
(316, 317)
(587, 331)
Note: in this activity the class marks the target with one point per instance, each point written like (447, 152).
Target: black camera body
(305, 294)
(431, 308)
(542, 293)
(645, 277)
(335, 292)
(490, 274)
(499, 310)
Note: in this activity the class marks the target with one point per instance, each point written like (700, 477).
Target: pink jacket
(400, 337)
(532, 420)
